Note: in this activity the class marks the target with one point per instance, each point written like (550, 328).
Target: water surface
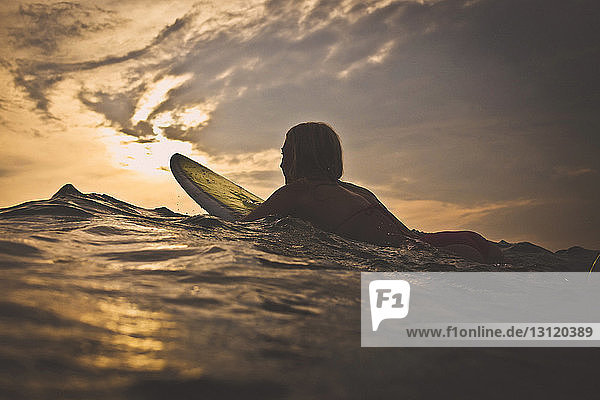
(103, 299)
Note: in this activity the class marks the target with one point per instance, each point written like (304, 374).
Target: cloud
(422, 61)
(60, 23)
(432, 215)
(46, 26)
(566, 171)
(116, 107)
(36, 86)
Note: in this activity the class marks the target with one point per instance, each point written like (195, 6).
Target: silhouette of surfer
(312, 167)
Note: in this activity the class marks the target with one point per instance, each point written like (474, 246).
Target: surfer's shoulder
(364, 192)
(282, 202)
(291, 189)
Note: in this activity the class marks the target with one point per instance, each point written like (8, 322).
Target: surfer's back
(312, 166)
(335, 206)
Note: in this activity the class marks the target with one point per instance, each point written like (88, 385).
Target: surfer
(312, 167)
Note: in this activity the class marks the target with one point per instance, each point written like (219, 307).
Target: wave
(275, 242)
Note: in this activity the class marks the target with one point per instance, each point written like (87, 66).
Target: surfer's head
(311, 150)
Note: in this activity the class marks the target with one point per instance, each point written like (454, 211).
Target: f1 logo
(389, 299)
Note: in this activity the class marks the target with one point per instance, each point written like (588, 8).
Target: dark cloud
(45, 26)
(36, 85)
(142, 130)
(37, 78)
(181, 132)
(488, 58)
(116, 107)
(165, 33)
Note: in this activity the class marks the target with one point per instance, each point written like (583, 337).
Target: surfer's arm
(280, 203)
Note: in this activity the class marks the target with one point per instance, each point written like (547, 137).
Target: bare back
(335, 206)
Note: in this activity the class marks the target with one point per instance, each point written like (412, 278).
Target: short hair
(314, 151)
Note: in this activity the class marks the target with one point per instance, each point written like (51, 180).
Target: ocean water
(101, 299)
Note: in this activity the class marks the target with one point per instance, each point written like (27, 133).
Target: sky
(478, 115)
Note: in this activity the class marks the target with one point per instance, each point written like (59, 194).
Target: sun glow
(156, 95)
(192, 117)
(186, 118)
(151, 158)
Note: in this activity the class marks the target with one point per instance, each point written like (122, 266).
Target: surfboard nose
(175, 158)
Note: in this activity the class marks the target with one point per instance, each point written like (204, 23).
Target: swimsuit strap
(370, 206)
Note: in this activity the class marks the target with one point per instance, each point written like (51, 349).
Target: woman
(312, 166)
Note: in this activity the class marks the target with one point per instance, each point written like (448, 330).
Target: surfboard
(213, 192)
